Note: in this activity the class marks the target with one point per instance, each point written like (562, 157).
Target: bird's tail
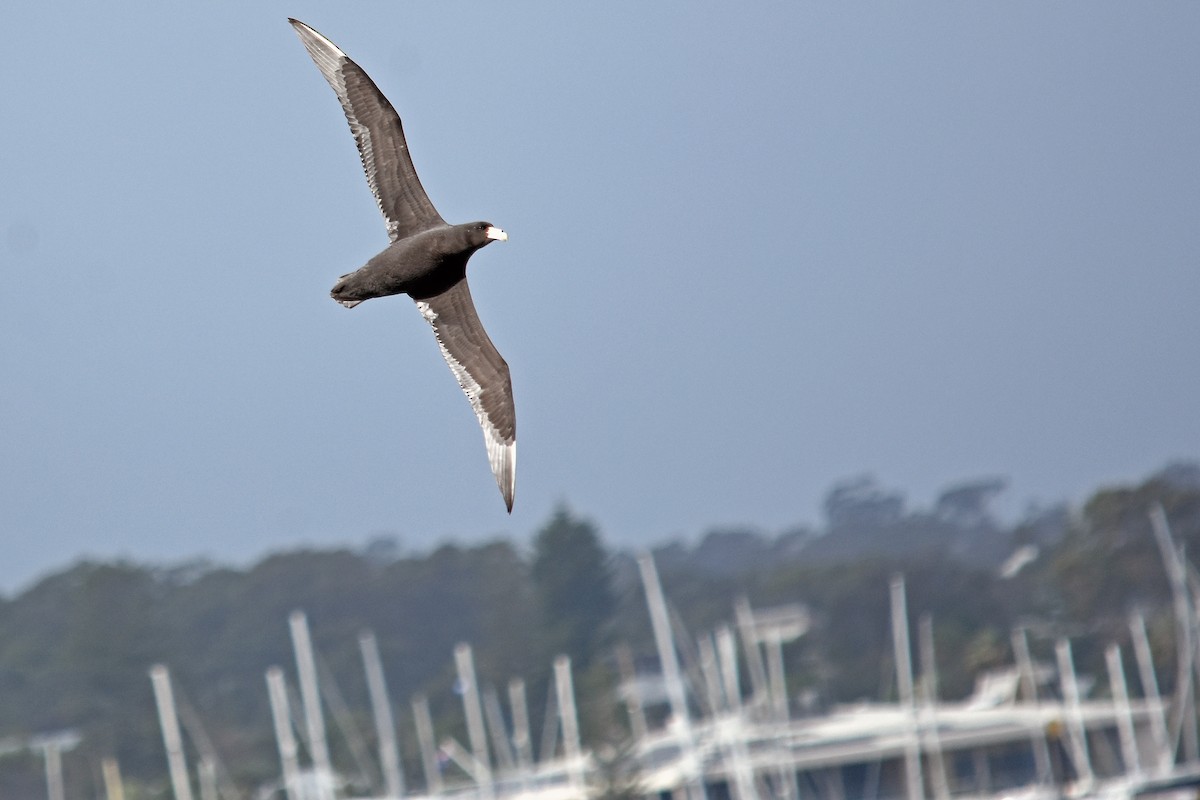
(339, 293)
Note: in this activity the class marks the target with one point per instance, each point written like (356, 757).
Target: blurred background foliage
(76, 646)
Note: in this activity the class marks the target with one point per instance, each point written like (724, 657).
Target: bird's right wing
(483, 375)
(380, 137)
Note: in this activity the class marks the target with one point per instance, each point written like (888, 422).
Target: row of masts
(921, 707)
(715, 682)
(1171, 728)
(318, 781)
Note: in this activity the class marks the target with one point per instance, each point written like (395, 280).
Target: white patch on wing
(495, 233)
(327, 54)
(502, 455)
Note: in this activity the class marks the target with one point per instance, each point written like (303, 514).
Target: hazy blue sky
(753, 249)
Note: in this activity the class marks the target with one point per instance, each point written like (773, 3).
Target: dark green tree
(572, 582)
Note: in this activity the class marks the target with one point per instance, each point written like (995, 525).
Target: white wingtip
(327, 55)
(503, 458)
(502, 454)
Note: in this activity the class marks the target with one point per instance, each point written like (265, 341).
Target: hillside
(75, 648)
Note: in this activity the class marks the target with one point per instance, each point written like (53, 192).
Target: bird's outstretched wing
(380, 137)
(483, 375)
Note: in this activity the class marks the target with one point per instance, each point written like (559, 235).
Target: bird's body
(427, 257)
(422, 265)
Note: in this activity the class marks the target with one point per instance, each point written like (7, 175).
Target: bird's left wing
(380, 138)
(483, 375)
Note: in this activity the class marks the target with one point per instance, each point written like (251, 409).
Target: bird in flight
(426, 257)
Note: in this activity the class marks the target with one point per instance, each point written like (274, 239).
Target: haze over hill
(75, 647)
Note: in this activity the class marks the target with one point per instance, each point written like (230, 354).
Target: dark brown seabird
(426, 259)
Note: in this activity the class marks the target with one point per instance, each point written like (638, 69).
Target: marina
(1030, 731)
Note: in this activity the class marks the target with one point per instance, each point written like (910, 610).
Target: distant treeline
(76, 647)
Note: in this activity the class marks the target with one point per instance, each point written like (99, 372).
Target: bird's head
(484, 233)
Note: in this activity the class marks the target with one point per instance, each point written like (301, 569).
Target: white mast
(1185, 643)
(501, 742)
(165, 700)
(429, 761)
(754, 660)
(726, 653)
(904, 682)
(775, 675)
(208, 779)
(712, 673)
(113, 788)
(1070, 690)
(474, 711)
(521, 735)
(281, 716)
(54, 776)
(381, 710)
(1037, 738)
(1158, 720)
(311, 700)
(660, 621)
(572, 750)
(1116, 679)
(941, 784)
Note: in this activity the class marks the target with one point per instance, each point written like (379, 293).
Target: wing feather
(405, 206)
(483, 375)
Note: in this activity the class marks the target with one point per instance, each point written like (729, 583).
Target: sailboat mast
(381, 710)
